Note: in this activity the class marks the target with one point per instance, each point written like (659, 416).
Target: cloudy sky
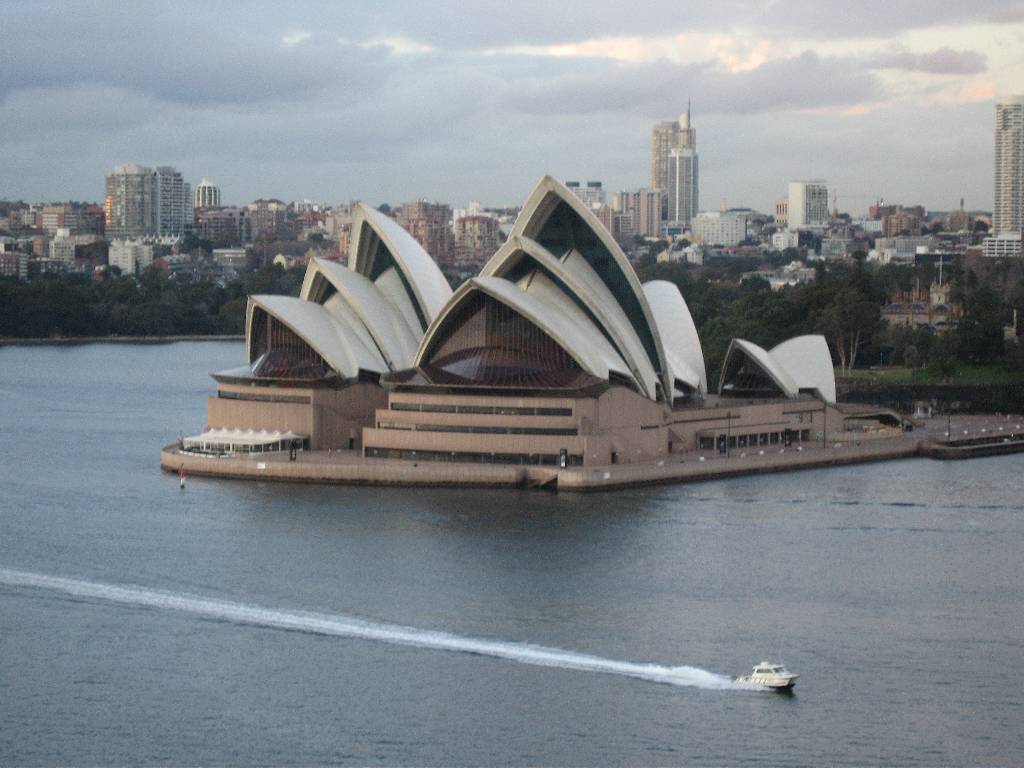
(459, 101)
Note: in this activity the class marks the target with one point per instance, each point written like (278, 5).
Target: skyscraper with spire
(674, 168)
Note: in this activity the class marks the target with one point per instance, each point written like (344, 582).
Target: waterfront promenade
(970, 436)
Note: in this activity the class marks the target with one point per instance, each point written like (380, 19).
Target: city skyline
(390, 104)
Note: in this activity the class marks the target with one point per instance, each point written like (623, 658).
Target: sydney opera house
(556, 355)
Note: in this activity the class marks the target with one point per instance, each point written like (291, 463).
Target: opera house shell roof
(363, 320)
(799, 365)
(558, 306)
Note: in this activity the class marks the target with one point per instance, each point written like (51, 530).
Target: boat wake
(338, 625)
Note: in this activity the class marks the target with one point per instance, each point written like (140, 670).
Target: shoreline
(68, 341)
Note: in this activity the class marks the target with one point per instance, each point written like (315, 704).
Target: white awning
(240, 437)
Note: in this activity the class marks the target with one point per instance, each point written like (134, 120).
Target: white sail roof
(678, 333)
(809, 363)
(559, 221)
(546, 307)
(421, 278)
(583, 284)
(362, 303)
(800, 363)
(332, 337)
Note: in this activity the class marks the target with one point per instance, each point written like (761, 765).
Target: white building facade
(725, 228)
(808, 204)
(207, 195)
(130, 256)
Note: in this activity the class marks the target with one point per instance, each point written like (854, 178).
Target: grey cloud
(804, 81)
(187, 58)
(944, 61)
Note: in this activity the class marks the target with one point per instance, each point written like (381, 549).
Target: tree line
(844, 304)
(109, 304)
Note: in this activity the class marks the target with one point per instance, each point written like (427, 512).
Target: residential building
(207, 195)
(643, 209)
(130, 256)
(477, 238)
(14, 264)
(62, 247)
(223, 226)
(1006, 245)
(785, 239)
(725, 228)
(1008, 211)
(268, 219)
(174, 203)
(430, 225)
(902, 221)
(50, 218)
(807, 207)
(130, 204)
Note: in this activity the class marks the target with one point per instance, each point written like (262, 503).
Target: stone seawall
(343, 467)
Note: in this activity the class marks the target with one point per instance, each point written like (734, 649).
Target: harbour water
(232, 623)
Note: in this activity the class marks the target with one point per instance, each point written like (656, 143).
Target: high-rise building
(808, 204)
(130, 206)
(429, 223)
(674, 168)
(1008, 211)
(643, 209)
(682, 185)
(174, 203)
(207, 195)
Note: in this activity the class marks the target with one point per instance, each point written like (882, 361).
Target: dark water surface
(895, 590)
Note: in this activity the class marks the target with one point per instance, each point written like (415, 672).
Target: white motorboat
(770, 675)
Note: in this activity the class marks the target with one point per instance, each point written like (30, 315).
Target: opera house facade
(554, 355)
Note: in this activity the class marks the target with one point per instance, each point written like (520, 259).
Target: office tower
(207, 195)
(130, 205)
(1008, 211)
(808, 204)
(174, 202)
(674, 168)
(682, 185)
